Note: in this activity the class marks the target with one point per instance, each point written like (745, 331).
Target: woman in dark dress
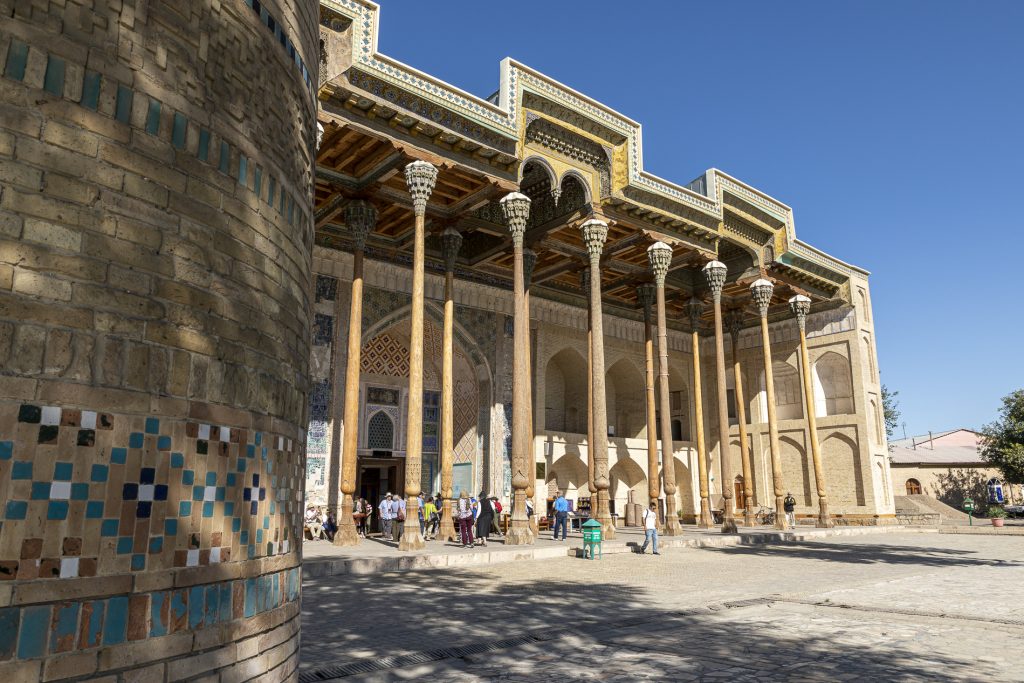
(484, 519)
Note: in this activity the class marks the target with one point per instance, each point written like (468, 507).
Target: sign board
(462, 479)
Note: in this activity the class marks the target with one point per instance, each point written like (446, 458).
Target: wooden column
(529, 261)
(516, 208)
(761, 291)
(734, 320)
(420, 178)
(594, 234)
(451, 241)
(646, 295)
(715, 272)
(801, 306)
(585, 286)
(695, 308)
(360, 217)
(659, 255)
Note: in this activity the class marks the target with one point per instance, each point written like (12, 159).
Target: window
(913, 487)
(380, 432)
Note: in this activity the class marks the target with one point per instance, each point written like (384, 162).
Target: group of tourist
(475, 517)
(320, 524)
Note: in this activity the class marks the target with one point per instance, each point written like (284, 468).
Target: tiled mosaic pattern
(91, 494)
(41, 630)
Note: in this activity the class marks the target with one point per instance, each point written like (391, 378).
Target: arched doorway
(739, 499)
(913, 487)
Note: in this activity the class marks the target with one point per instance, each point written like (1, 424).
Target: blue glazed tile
(198, 492)
(136, 440)
(258, 181)
(180, 128)
(170, 527)
(251, 551)
(10, 620)
(179, 605)
(156, 544)
(160, 492)
(259, 536)
(195, 607)
(184, 508)
(115, 626)
(188, 477)
(17, 60)
(53, 81)
(250, 597)
(99, 473)
(130, 491)
(123, 108)
(244, 537)
(21, 469)
(35, 626)
(147, 475)
(94, 509)
(57, 509)
(225, 158)
(138, 562)
(272, 187)
(40, 490)
(144, 509)
(91, 90)
(241, 464)
(219, 494)
(208, 509)
(231, 479)
(225, 602)
(163, 443)
(211, 478)
(124, 545)
(177, 460)
(93, 632)
(80, 491)
(204, 145)
(236, 524)
(118, 456)
(153, 128)
(266, 522)
(259, 438)
(109, 527)
(6, 450)
(65, 625)
(243, 169)
(272, 508)
(152, 425)
(212, 604)
(63, 471)
(157, 626)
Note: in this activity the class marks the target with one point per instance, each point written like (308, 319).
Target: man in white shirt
(650, 518)
(385, 516)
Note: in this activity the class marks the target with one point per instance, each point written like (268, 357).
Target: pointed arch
(625, 399)
(840, 453)
(833, 385)
(565, 392)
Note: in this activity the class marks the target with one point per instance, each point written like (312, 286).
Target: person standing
(650, 518)
(485, 516)
(561, 516)
(789, 505)
(495, 525)
(361, 514)
(385, 516)
(421, 514)
(432, 519)
(330, 525)
(397, 517)
(464, 513)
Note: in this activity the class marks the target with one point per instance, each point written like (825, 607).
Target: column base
(729, 526)
(519, 533)
(824, 520)
(672, 525)
(411, 539)
(705, 520)
(446, 531)
(748, 512)
(607, 528)
(346, 535)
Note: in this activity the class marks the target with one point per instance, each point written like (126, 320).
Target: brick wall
(155, 247)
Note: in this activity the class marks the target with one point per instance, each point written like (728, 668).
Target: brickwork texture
(155, 249)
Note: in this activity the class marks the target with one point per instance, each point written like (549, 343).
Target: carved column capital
(646, 294)
(360, 217)
(694, 309)
(451, 242)
(761, 291)
(715, 272)
(659, 255)
(529, 261)
(595, 232)
(801, 306)
(516, 208)
(420, 178)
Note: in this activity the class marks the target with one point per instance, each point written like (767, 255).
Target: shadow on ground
(869, 553)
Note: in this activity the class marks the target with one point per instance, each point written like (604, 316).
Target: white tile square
(192, 558)
(88, 419)
(146, 491)
(210, 493)
(51, 416)
(225, 434)
(204, 432)
(280, 443)
(60, 490)
(68, 567)
(214, 555)
(284, 546)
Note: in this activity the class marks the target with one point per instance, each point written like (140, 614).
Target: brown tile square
(72, 547)
(70, 418)
(138, 617)
(191, 430)
(104, 421)
(31, 548)
(8, 570)
(87, 566)
(49, 568)
(237, 600)
(215, 538)
(28, 570)
(180, 558)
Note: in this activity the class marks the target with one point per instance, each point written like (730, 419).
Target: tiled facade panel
(155, 326)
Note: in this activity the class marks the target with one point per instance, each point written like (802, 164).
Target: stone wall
(155, 240)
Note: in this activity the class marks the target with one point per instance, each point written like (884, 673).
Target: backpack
(497, 506)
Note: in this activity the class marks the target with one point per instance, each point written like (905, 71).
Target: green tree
(1003, 442)
(890, 411)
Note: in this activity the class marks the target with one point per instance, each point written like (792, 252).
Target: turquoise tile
(188, 477)
(94, 509)
(138, 562)
(152, 425)
(212, 604)
(80, 491)
(10, 620)
(118, 456)
(258, 181)
(153, 128)
(53, 81)
(99, 472)
(65, 623)
(177, 460)
(243, 170)
(211, 478)
(35, 626)
(250, 597)
(208, 509)
(63, 471)
(225, 158)
(40, 490)
(57, 509)
(185, 508)
(124, 545)
(123, 106)
(16, 509)
(109, 527)
(156, 544)
(270, 194)
(195, 606)
(163, 443)
(225, 602)
(136, 440)
(204, 145)
(6, 450)
(115, 626)
(236, 524)
(94, 632)
(180, 128)
(21, 469)
(17, 60)
(91, 90)
(179, 605)
(170, 527)
(158, 627)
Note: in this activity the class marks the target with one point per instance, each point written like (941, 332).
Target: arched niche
(841, 459)
(625, 399)
(833, 386)
(788, 396)
(565, 393)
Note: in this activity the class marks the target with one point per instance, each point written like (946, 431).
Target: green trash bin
(592, 538)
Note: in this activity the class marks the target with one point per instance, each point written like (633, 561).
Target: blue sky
(895, 130)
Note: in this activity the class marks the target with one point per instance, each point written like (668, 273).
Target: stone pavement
(902, 606)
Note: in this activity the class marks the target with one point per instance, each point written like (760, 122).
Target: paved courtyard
(906, 606)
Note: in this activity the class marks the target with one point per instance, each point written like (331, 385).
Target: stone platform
(374, 555)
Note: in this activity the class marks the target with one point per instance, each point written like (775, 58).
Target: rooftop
(954, 446)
